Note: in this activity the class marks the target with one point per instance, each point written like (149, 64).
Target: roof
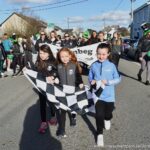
(27, 18)
(141, 7)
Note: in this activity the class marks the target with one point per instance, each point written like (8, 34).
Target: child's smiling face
(102, 54)
(65, 57)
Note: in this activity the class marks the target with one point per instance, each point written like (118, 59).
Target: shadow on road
(89, 124)
(31, 139)
(123, 74)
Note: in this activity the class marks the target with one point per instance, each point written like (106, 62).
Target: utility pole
(131, 20)
(132, 10)
(68, 22)
(104, 22)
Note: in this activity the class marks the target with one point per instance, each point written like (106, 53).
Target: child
(104, 70)
(69, 74)
(46, 64)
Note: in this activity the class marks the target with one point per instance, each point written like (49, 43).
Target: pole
(132, 10)
(68, 22)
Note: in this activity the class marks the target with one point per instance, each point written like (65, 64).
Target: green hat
(146, 32)
(85, 34)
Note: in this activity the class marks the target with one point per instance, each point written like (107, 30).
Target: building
(21, 24)
(140, 15)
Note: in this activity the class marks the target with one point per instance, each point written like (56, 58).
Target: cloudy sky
(75, 13)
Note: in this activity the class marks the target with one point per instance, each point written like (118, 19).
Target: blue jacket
(105, 71)
(7, 45)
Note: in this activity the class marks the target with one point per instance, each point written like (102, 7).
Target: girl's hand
(104, 82)
(93, 82)
(56, 81)
(81, 86)
(50, 79)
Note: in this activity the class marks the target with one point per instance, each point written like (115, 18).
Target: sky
(95, 14)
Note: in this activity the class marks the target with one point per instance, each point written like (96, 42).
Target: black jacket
(144, 44)
(40, 41)
(50, 70)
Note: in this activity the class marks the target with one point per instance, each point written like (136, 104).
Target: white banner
(85, 54)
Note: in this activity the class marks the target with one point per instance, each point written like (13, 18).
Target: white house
(21, 24)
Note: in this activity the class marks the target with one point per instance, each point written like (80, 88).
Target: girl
(69, 74)
(116, 48)
(46, 64)
(104, 70)
(53, 37)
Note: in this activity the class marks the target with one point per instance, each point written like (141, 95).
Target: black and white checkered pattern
(65, 97)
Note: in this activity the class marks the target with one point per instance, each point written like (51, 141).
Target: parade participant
(69, 74)
(84, 41)
(67, 42)
(53, 37)
(43, 40)
(116, 43)
(144, 50)
(58, 43)
(93, 39)
(2, 58)
(8, 50)
(101, 37)
(104, 70)
(46, 65)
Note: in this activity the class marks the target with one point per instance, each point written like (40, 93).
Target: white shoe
(100, 140)
(107, 124)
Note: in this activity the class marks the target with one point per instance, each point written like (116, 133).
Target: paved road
(19, 118)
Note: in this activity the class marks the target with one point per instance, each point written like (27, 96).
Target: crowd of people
(15, 53)
(65, 70)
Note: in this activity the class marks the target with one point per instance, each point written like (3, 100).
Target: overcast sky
(79, 13)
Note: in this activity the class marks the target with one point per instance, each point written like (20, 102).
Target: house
(140, 15)
(21, 24)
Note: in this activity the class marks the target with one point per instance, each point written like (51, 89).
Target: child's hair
(42, 65)
(107, 46)
(104, 45)
(73, 57)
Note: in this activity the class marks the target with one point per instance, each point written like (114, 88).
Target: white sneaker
(100, 140)
(107, 124)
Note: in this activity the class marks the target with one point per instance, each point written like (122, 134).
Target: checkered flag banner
(66, 97)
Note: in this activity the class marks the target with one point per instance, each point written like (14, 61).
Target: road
(20, 119)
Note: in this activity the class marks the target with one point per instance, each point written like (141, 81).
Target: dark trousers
(43, 102)
(62, 120)
(103, 112)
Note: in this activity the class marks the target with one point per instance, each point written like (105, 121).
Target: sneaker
(147, 83)
(139, 77)
(2, 74)
(100, 140)
(43, 127)
(53, 121)
(107, 124)
(61, 134)
(73, 122)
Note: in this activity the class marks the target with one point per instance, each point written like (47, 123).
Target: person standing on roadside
(144, 50)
